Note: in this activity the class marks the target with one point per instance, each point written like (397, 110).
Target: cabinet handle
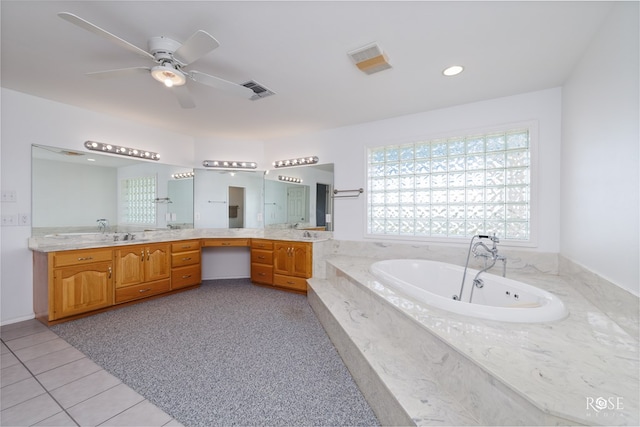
(85, 258)
(142, 255)
(186, 259)
(144, 290)
(109, 272)
(226, 244)
(148, 254)
(186, 277)
(290, 283)
(260, 257)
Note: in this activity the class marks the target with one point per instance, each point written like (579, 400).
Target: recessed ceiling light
(91, 160)
(453, 70)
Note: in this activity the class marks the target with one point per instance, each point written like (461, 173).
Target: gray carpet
(228, 353)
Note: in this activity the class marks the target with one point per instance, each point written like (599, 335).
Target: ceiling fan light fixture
(168, 75)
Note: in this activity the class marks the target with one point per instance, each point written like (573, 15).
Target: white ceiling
(299, 50)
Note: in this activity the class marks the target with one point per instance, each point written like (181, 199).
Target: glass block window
(138, 200)
(452, 187)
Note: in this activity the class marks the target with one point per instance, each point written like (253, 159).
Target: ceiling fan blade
(224, 85)
(184, 96)
(121, 72)
(76, 20)
(198, 45)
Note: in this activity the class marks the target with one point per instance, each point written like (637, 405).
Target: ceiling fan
(170, 57)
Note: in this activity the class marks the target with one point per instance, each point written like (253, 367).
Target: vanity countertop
(70, 241)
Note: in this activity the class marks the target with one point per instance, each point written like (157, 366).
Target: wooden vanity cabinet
(262, 261)
(142, 271)
(186, 266)
(292, 264)
(69, 283)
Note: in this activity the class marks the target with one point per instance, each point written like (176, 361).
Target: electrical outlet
(9, 220)
(9, 196)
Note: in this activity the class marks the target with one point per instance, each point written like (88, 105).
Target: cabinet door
(300, 260)
(157, 262)
(82, 288)
(281, 258)
(130, 265)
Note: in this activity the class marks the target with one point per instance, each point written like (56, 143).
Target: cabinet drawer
(187, 245)
(83, 256)
(142, 291)
(182, 259)
(185, 276)
(296, 283)
(262, 244)
(225, 242)
(262, 274)
(261, 257)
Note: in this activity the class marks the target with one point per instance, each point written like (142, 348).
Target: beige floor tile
(61, 419)
(67, 373)
(53, 360)
(143, 414)
(19, 392)
(38, 350)
(85, 388)
(21, 329)
(13, 374)
(104, 406)
(8, 360)
(29, 340)
(30, 412)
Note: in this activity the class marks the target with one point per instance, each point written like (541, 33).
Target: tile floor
(46, 382)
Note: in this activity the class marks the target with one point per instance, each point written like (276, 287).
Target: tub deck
(431, 367)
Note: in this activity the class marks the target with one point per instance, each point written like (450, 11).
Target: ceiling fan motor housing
(162, 48)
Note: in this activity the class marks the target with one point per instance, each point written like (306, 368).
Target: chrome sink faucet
(103, 224)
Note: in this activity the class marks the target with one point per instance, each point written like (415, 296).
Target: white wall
(600, 162)
(345, 147)
(28, 120)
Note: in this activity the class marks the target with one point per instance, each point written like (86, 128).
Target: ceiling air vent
(259, 90)
(370, 58)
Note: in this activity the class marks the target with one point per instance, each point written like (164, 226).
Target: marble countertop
(569, 368)
(69, 241)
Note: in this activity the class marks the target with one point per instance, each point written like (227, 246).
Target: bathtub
(435, 283)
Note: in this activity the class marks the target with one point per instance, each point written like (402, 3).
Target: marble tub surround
(70, 240)
(538, 374)
(517, 259)
(619, 304)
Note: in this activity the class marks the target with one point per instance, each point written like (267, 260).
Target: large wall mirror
(72, 190)
(228, 199)
(299, 198)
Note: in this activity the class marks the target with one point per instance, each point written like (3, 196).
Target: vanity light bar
(296, 162)
(183, 175)
(123, 151)
(289, 179)
(229, 164)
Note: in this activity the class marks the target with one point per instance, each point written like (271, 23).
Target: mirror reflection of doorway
(323, 201)
(236, 207)
(297, 204)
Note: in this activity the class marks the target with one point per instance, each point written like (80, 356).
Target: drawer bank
(69, 284)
